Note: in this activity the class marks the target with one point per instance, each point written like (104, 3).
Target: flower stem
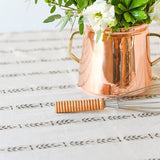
(64, 6)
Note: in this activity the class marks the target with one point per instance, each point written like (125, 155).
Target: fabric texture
(35, 71)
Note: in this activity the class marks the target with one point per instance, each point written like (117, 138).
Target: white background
(22, 15)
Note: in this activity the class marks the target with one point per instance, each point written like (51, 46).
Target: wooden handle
(79, 106)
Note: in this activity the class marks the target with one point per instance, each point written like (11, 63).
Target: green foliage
(52, 18)
(128, 12)
(53, 9)
(131, 12)
(36, 1)
(72, 8)
(81, 25)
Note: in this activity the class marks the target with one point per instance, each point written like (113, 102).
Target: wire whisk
(146, 99)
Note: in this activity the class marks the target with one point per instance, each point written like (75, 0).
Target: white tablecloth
(35, 71)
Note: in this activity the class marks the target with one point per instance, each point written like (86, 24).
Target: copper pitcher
(118, 64)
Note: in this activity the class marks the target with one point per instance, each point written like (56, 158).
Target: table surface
(35, 72)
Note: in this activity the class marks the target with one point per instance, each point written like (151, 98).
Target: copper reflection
(121, 62)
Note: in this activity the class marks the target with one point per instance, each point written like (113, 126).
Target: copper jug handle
(158, 59)
(70, 47)
(78, 60)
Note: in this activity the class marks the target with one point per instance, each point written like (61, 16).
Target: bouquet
(100, 14)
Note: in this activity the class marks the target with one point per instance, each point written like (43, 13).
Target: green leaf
(150, 3)
(68, 3)
(60, 2)
(139, 15)
(82, 4)
(119, 17)
(141, 8)
(74, 2)
(36, 1)
(60, 21)
(47, 1)
(115, 2)
(125, 24)
(118, 10)
(133, 19)
(81, 28)
(148, 20)
(122, 7)
(80, 21)
(81, 25)
(90, 2)
(66, 20)
(52, 18)
(127, 17)
(137, 3)
(98, 36)
(53, 9)
(127, 2)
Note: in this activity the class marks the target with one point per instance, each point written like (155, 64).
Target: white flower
(154, 11)
(100, 15)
